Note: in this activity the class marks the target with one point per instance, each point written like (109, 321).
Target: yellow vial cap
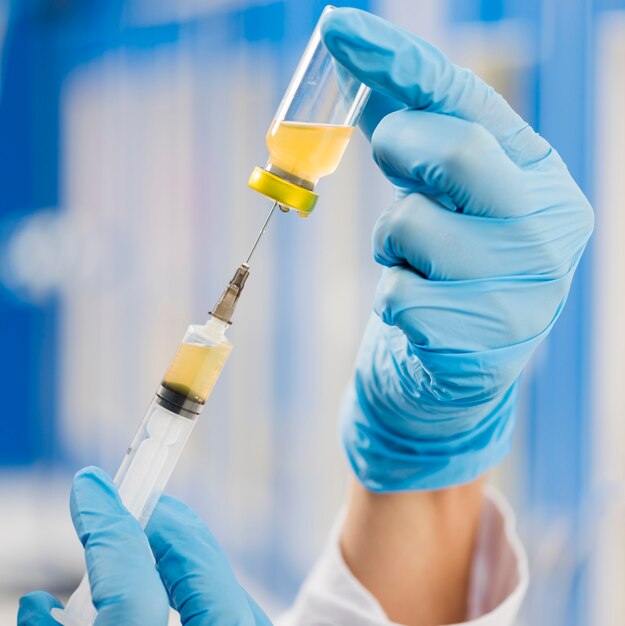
(282, 191)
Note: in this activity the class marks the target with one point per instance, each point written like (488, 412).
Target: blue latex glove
(128, 587)
(480, 250)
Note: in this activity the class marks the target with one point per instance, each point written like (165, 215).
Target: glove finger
(125, 586)
(201, 584)
(467, 315)
(442, 155)
(408, 69)
(34, 609)
(442, 245)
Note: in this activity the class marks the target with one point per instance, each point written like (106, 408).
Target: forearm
(413, 550)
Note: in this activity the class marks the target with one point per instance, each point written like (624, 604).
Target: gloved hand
(479, 249)
(191, 572)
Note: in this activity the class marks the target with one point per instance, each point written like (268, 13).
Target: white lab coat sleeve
(331, 595)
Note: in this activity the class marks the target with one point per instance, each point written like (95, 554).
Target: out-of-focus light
(37, 256)
(147, 12)
(50, 251)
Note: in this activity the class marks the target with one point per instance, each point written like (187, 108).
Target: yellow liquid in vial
(195, 369)
(308, 151)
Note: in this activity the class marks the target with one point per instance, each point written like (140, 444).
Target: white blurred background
(128, 130)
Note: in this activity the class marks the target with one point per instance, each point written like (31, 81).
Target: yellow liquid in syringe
(195, 369)
(307, 151)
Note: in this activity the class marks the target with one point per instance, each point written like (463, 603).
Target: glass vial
(311, 128)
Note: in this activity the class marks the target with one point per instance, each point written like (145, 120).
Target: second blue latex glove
(135, 578)
(479, 249)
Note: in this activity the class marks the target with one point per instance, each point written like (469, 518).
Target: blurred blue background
(127, 132)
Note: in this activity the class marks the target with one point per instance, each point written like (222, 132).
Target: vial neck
(300, 182)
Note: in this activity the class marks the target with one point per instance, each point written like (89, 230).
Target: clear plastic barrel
(162, 435)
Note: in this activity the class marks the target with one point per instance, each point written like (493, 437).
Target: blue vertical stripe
(559, 428)
(560, 433)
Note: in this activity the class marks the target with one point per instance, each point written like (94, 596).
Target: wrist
(413, 550)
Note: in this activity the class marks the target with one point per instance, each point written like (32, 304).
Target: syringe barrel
(141, 479)
(160, 439)
(151, 459)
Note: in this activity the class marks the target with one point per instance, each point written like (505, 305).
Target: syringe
(167, 425)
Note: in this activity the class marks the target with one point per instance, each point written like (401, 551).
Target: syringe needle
(225, 306)
(260, 234)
